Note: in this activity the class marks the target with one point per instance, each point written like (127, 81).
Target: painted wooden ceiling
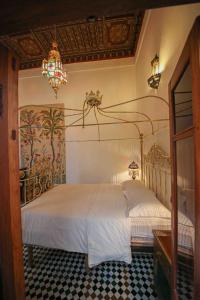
(97, 39)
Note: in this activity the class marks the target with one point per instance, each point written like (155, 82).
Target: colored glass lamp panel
(55, 82)
(52, 69)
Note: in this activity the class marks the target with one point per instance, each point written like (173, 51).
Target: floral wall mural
(42, 134)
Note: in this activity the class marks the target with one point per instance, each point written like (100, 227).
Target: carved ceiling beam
(16, 16)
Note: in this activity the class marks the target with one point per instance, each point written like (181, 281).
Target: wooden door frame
(11, 258)
(190, 54)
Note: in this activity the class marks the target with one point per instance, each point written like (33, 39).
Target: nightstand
(162, 263)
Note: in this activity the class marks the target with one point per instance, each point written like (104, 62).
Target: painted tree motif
(52, 125)
(30, 120)
(42, 141)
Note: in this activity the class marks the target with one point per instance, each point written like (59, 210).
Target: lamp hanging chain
(55, 33)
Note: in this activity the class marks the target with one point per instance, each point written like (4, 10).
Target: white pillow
(142, 202)
(152, 209)
(132, 183)
(135, 192)
(132, 186)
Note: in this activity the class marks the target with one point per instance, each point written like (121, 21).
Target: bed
(100, 220)
(84, 218)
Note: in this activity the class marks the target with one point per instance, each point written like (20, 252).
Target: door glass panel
(183, 102)
(186, 216)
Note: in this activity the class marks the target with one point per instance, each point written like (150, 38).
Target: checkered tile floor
(59, 275)
(185, 279)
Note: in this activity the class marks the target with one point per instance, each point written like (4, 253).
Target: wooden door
(11, 259)
(184, 90)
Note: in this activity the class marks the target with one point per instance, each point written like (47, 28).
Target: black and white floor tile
(59, 275)
(185, 279)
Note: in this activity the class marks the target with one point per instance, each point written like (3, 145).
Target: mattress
(93, 219)
(141, 228)
(142, 231)
(147, 213)
(80, 218)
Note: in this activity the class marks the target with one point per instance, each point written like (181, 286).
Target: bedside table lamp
(133, 169)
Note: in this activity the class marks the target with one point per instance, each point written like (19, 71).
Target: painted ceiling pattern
(106, 38)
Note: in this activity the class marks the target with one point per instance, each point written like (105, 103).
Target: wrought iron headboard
(157, 174)
(34, 183)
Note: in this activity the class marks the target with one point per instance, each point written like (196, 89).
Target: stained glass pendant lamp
(52, 69)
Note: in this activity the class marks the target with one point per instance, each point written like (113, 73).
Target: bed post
(142, 156)
(87, 268)
(30, 256)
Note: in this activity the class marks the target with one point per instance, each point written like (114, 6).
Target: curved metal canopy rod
(77, 114)
(137, 99)
(81, 110)
(131, 112)
(49, 106)
(81, 118)
(103, 111)
(87, 107)
(119, 119)
(97, 123)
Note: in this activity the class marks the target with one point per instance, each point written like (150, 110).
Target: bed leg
(30, 256)
(87, 268)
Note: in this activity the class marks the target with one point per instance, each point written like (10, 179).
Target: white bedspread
(81, 218)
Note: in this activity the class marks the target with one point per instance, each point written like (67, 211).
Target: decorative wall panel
(42, 145)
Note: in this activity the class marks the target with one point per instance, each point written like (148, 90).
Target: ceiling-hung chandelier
(52, 68)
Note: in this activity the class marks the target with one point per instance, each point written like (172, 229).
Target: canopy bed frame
(91, 104)
(156, 175)
(155, 166)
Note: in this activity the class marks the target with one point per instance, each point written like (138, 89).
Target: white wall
(166, 32)
(90, 161)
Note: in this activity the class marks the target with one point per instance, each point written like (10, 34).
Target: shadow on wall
(100, 162)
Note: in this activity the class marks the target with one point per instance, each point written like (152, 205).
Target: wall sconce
(133, 169)
(154, 80)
